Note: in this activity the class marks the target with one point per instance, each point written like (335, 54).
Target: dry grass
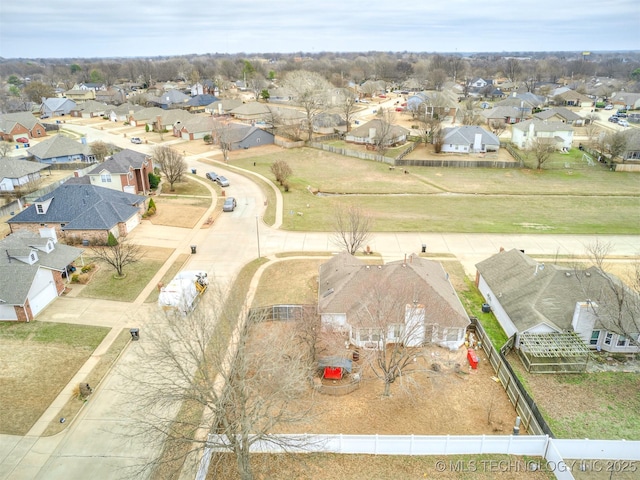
(179, 211)
(38, 359)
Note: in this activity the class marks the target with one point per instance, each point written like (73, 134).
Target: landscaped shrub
(87, 268)
(151, 209)
(154, 180)
(75, 278)
(111, 240)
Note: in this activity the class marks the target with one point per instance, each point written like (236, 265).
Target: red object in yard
(473, 358)
(333, 373)
(22, 140)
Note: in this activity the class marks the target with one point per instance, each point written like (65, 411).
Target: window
(39, 208)
(607, 338)
(595, 336)
(39, 132)
(622, 341)
(105, 178)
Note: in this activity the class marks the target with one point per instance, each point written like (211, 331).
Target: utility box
(135, 334)
(473, 358)
(486, 308)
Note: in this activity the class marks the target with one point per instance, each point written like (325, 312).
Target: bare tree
(541, 149)
(282, 171)
(615, 301)
(393, 320)
(309, 90)
(5, 148)
(614, 143)
(119, 255)
(383, 130)
(36, 91)
(512, 69)
(470, 115)
(100, 150)
(222, 136)
(236, 381)
(346, 105)
(352, 228)
(498, 126)
(171, 164)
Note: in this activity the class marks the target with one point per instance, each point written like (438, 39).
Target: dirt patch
(177, 212)
(442, 396)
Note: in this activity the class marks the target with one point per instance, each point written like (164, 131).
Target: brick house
(33, 273)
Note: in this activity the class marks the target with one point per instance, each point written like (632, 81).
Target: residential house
(195, 128)
(54, 107)
(627, 100)
(632, 146)
(223, 106)
(368, 134)
(80, 212)
(414, 293)
(280, 95)
(61, 149)
(240, 136)
(433, 104)
(524, 134)
(144, 116)
(111, 96)
(80, 96)
(562, 114)
(126, 171)
(528, 296)
(20, 125)
(527, 102)
(168, 118)
(570, 98)
(252, 112)
(17, 173)
(33, 272)
(326, 123)
(91, 86)
(122, 112)
(198, 103)
(170, 99)
(469, 139)
(478, 82)
(90, 109)
(508, 115)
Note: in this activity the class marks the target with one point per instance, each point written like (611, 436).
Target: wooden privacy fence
(525, 407)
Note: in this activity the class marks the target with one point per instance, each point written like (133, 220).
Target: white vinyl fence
(552, 450)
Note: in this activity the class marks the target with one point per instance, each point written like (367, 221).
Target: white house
(469, 139)
(523, 134)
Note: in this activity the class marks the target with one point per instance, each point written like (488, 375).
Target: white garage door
(43, 298)
(132, 223)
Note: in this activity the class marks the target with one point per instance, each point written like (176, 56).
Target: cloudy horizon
(79, 29)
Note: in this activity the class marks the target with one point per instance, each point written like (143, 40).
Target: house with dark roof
(198, 103)
(524, 134)
(369, 132)
(469, 139)
(61, 149)
(170, 99)
(528, 296)
(18, 173)
(20, 125)
(239, 136)
(33, 271)
(410, 301)
(82, 213)
(126, 171)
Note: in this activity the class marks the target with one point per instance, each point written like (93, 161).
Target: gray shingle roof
(8, 120)
(542, 126)
(531, 296)
(121, 162)
(83, 207)
(16, 277)
(10, 168)
(465, 135)
(58, 146)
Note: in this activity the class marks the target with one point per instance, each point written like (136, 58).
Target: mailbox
(473, 358)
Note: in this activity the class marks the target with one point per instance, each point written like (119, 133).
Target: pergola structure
(553, 353)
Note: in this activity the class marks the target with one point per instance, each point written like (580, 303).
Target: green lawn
(591, 200)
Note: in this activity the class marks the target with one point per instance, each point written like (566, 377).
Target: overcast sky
(115, 28)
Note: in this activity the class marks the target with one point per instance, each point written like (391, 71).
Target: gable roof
(16, 277)
(10, 168)
(92, 106)
(344, 281)
(465, 135)
(532, 293)
(542, 126)
(58, 146)
(363, 130)
(55, 104)
(9, 120)
(202, 100)
(251, 108)
(561, 112)
(83, 207)
(121, 162)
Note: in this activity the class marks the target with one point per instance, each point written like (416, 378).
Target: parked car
(399, 109)
(623, 123)
(222, 181)
(614, 119)
(136, 140)
(22, 140)
(229, 204)
(609, 107)
(212, 176)
(44, 116)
